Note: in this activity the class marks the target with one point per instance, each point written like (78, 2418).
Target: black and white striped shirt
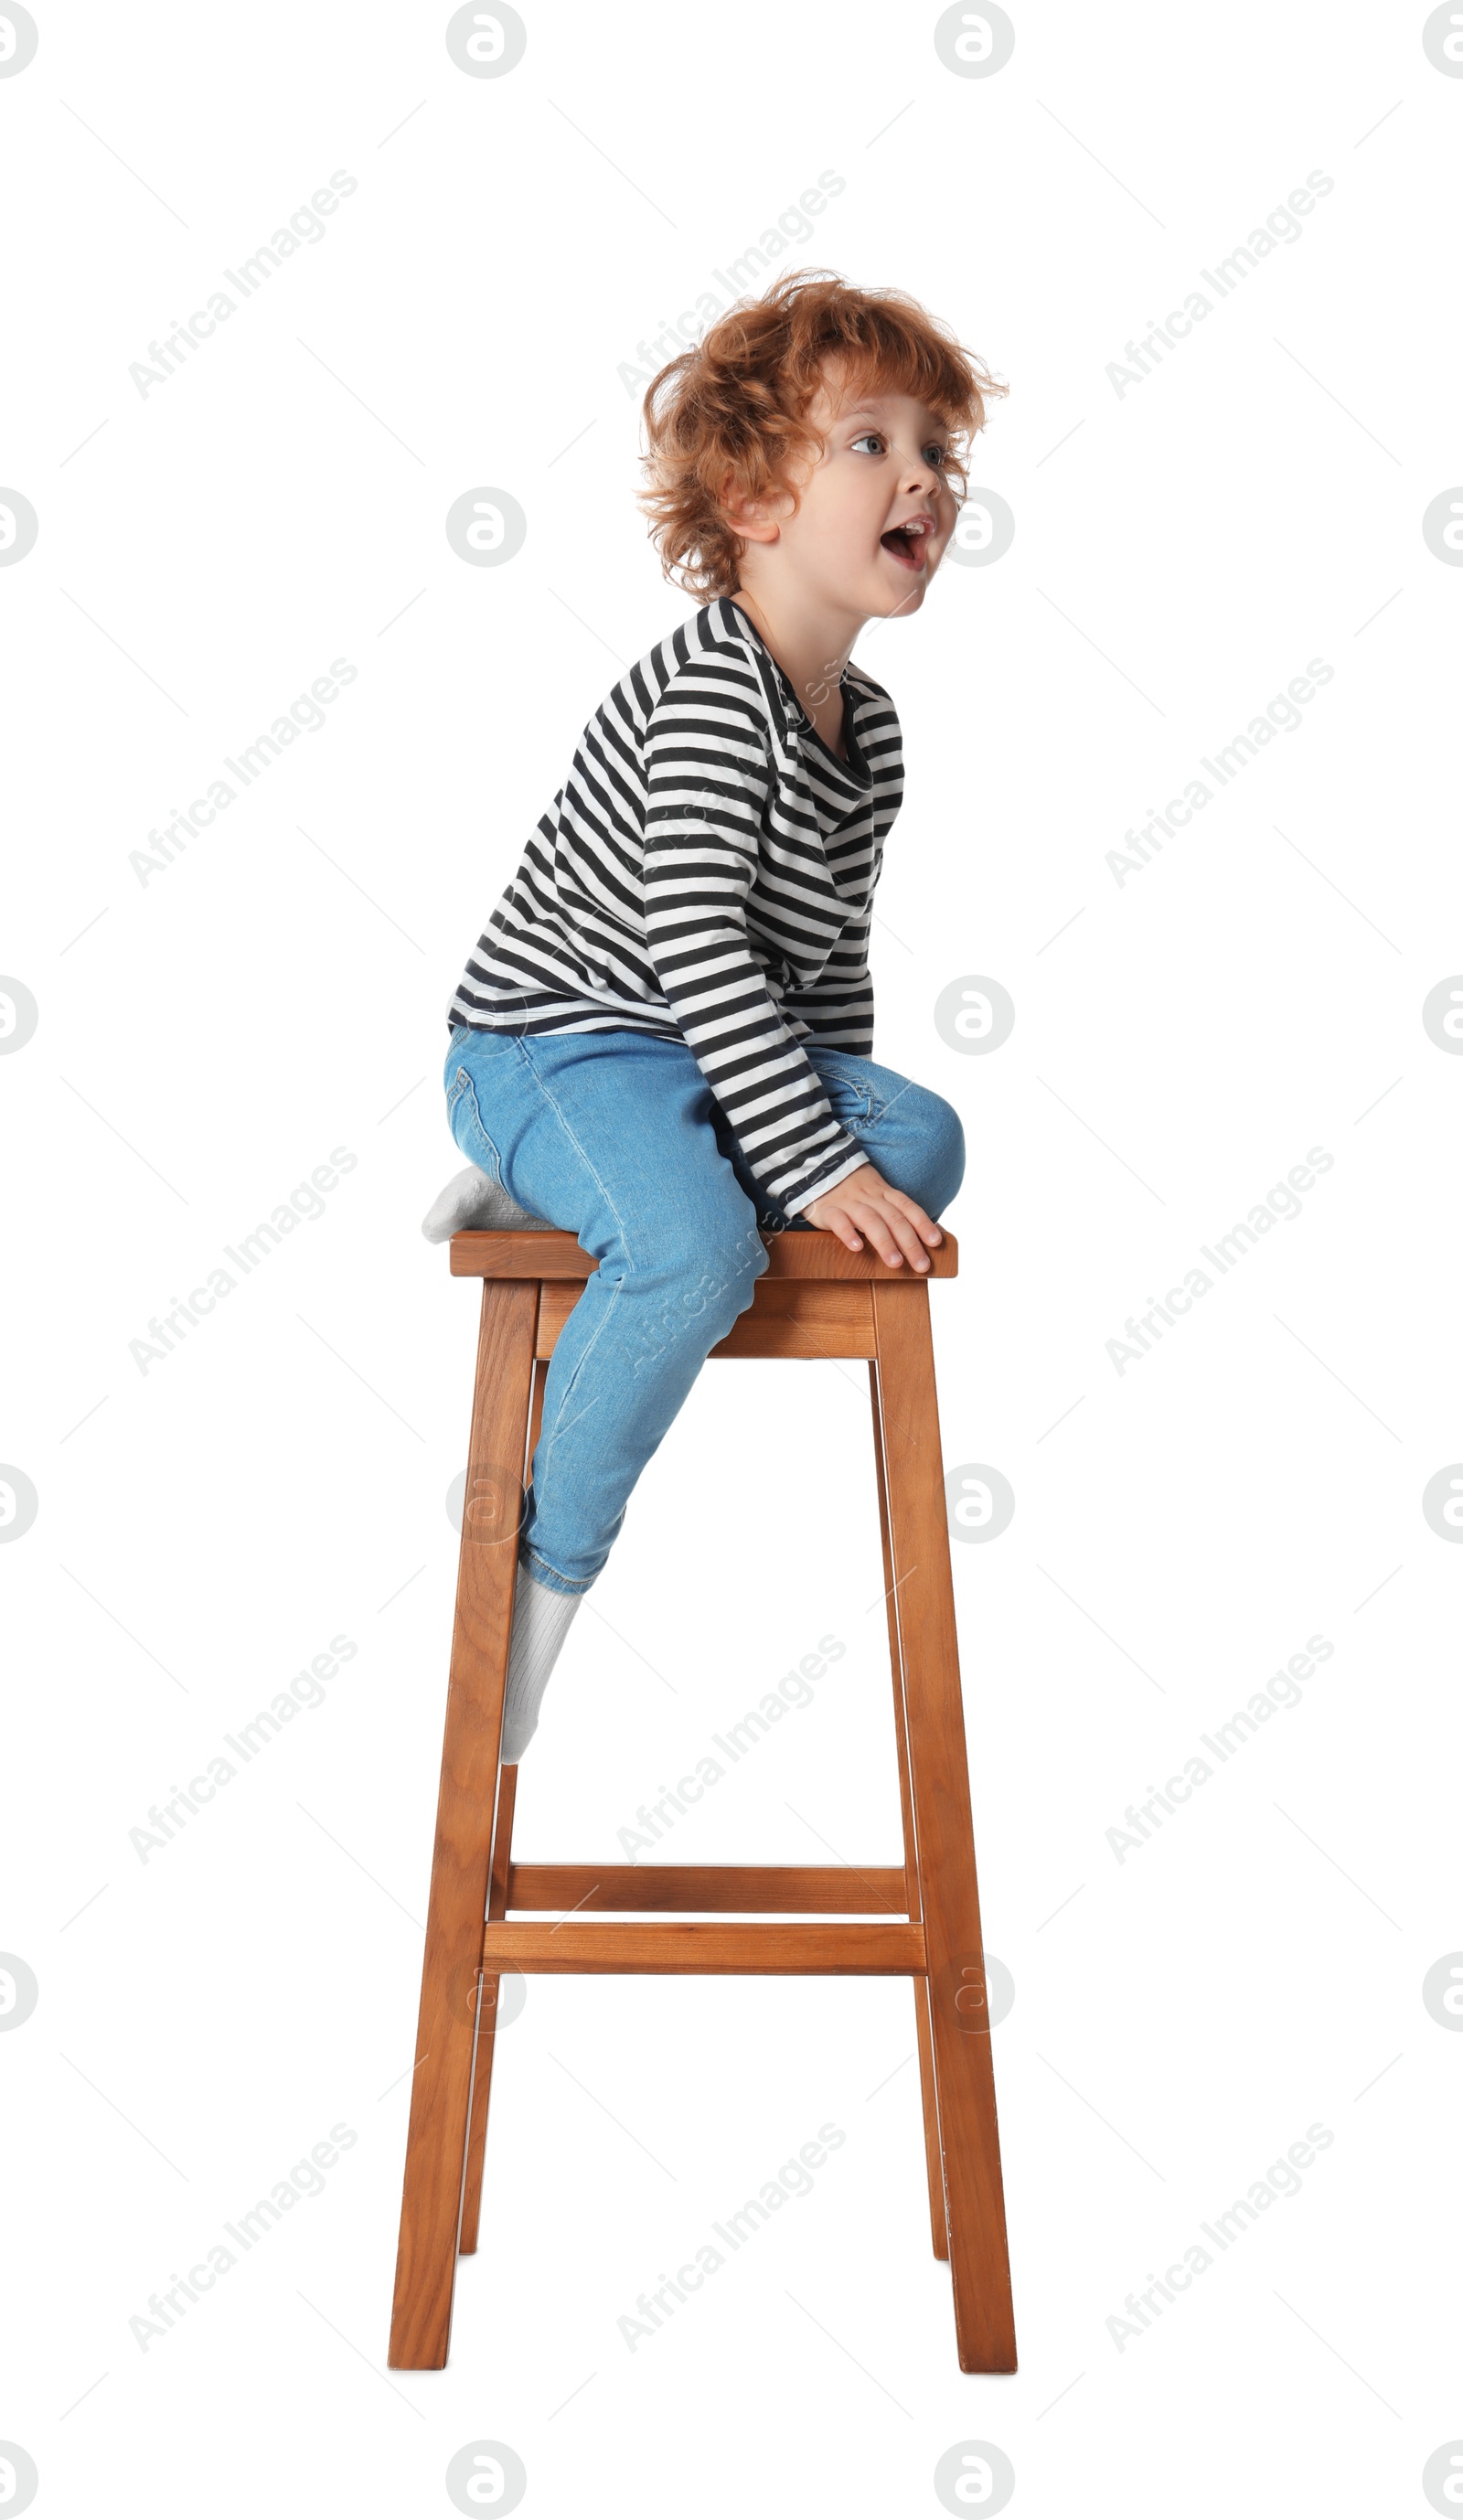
(706, 873)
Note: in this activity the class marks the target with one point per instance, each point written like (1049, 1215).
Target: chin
(898, 605)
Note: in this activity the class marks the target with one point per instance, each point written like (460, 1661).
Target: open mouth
(906, 544)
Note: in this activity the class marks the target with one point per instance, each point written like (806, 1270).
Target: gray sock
(474, 1202)
(541, 1623)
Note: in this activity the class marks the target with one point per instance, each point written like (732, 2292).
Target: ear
(753, 521)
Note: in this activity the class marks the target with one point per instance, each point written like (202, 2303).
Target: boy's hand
(864, 1205)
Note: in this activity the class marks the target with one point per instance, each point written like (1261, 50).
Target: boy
(662, 1041)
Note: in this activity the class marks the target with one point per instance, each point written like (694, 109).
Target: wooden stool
(815, 1299)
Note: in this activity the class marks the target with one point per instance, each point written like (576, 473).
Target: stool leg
(934, 2175)
(503, 1842)
(944, 1846)
(487, 2020)
(452, 1963)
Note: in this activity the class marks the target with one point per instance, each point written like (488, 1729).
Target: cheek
(848, 506)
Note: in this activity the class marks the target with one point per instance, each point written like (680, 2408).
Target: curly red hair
(736, 404)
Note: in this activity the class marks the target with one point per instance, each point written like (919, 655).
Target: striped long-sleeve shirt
(706, 873)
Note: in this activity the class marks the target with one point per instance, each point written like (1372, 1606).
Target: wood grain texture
(788, 1317)
(573, 1950)
(929, 2107)
(486, 2051)
(437, 2130)
(539, 1254)
(823, 1255)
(945, 1847)
(781, 1889)
(521, 1254)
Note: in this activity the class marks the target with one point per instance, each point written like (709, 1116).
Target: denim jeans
(615, 1137)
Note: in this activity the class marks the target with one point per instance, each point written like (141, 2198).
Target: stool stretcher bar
(776, 1889)
(706, 1951)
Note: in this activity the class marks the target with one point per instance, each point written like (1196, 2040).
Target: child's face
(882, 466)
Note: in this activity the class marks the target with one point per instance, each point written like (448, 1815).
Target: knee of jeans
(940, 1140)
(714, 1280)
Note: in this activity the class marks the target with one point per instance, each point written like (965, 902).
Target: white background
(206, 1038)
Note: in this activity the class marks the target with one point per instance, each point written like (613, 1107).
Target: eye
(939, 455)
(868, 436)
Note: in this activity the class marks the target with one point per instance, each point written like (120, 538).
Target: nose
(919, 475)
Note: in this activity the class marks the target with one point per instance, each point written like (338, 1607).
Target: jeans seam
(866, 1107)
(530, 1557)
(610, 1308)
(580, 1150)
(495, 1171)
(552, 1436)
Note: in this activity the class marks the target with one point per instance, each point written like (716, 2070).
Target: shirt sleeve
(708, 778)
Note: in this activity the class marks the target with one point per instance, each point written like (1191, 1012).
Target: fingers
(909, 1242)
(831, 1219)
(893, 1235)
(865, 1207)
(896, 1225)
(926, 1228)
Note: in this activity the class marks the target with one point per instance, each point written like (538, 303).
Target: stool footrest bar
(573, 1950)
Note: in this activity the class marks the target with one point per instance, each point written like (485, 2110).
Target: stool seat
(920, 1919)
(546, 1253)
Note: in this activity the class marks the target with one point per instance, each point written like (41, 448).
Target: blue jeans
(617, 1138)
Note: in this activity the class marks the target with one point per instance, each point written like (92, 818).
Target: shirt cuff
(805, 1194)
